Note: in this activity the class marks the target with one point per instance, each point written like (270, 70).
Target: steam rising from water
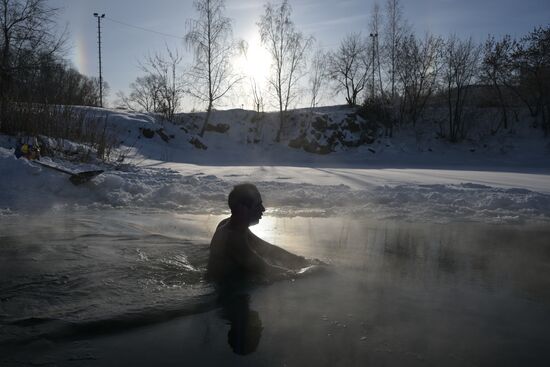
(86, 268)
(86, 273)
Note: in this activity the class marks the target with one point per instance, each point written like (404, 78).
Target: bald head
(245, 194)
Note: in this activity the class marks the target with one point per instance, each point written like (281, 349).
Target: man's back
(220, 262)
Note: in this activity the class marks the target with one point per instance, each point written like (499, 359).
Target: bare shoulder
(221, 232)
(220, 236)
(223, 223)
(227, 236)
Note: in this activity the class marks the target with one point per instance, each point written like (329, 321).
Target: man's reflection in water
(246, 326)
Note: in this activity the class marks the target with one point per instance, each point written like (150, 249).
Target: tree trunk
(207, 119)
(281, 122)
(503, 106)
(280, 95)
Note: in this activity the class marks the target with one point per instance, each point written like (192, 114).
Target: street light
(373, 36)
(99, 17)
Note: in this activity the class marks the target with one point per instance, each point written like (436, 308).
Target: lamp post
(99, 17)
(373, 36)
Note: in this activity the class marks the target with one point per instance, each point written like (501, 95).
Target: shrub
(60, 123)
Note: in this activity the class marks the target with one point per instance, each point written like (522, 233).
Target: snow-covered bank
(287, 191)
(249, 140)
(405, 177)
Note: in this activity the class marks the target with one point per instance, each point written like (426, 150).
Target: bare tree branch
(349, 66)
(288, 48)
(210, 39)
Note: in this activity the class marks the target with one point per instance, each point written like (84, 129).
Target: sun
(254, 61)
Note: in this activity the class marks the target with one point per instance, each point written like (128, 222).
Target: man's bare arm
(274, 253)
(249, 259)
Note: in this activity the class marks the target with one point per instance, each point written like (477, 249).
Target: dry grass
(60, 123)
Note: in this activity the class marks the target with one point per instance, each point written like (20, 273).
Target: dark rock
(218, 128)
(163, 135)
(320, 124)
(334, 138)
(309, 146)
(352, 125)
(197, 143)
(148, 133)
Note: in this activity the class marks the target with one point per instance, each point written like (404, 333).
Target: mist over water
(99, 267)
(396, 292)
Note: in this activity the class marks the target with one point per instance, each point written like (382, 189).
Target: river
(91, 287)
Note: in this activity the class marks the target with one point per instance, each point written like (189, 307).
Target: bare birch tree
(317, 76)
(287, 47)
(395, 30)
(210, 38)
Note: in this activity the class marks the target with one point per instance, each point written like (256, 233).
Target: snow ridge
(28, 187)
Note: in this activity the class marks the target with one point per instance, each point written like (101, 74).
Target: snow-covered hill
(414, 175)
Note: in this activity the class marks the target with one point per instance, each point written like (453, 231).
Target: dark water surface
(115, 288)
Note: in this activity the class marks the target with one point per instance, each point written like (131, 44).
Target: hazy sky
(327, 20)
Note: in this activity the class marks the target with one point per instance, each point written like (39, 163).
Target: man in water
(236, 253)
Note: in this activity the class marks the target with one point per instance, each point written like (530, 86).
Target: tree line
(386, 68)
(32, 64)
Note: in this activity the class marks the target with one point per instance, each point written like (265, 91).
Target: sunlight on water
(265, 229)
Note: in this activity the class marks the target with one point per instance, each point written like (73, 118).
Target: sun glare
(256, 62)
(265, 229)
